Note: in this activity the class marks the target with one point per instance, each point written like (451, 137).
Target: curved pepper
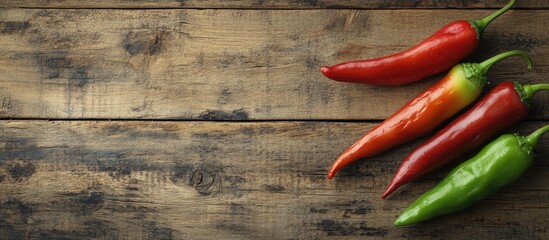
(437, 53)
(498, 164)
(504, 106)
(459, 88)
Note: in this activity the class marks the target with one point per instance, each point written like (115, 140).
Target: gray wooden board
(212, 180)
(231, 64)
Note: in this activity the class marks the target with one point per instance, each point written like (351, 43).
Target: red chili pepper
(459, 88)
(504, 106)
(437, 53)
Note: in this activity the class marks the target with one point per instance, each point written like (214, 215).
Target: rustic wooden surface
(272, 4)
(229, 64)
(238, 180)
(257, 171)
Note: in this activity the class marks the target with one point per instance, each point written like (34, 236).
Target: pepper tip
(398, 222)
(404, 219)
(324, 70)
(392, 187)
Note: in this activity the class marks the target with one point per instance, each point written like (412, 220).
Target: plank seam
(266, 8)
(201, 120)
(187, 120)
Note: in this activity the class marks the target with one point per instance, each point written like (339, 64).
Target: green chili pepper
(498, 164)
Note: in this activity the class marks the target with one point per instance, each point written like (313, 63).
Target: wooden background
(125, 119)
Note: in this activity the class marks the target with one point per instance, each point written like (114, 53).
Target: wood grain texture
(230, 64)
(174, 180)
(271, 4)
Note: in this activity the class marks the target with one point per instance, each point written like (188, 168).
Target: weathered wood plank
(285, 4)
(174, 180)
(229, 64)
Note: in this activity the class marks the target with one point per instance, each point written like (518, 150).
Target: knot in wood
(205, 182)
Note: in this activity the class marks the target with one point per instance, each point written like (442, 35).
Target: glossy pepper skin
(459, 88)
(504, 106)
(435, 54)
(498, 164)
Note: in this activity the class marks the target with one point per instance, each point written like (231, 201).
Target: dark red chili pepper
(437, 53)
(504, 106)
(459, 88)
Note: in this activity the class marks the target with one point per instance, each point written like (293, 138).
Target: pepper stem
(530, 90)
(481, 24)
(487, 64)
(533, 138)
(527, 92)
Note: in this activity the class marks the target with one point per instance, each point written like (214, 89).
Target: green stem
(486, 65)
(527, 92)
(481, 24)
(530, 90)
(534, 137)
